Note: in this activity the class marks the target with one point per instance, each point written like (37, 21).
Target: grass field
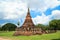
(52, 36)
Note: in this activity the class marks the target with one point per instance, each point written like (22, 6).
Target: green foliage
(44, 27)
(9, 27)
(0, 28)
(18, 23)
(54, 24)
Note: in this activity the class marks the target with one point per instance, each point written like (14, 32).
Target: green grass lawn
(52, 36)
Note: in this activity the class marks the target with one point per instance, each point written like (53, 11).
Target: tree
(9, 27)
(44, 27)
(18, 24)
(54, 24)
(58, 25)
(0, 28)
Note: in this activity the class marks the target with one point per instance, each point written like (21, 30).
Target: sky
(41, 11)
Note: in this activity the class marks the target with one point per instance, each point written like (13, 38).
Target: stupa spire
(28, 27)
(28, 9)
(28, 21)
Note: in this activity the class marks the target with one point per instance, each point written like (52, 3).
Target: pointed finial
(28, 7)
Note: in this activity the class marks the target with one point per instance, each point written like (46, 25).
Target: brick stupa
(28, 27)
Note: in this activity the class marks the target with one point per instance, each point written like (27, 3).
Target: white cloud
(41, 19)
(45, 19)
(43, 5)
(12, 10)
(56, 14)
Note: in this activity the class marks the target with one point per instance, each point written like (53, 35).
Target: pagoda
(28, 21)
(28, 27)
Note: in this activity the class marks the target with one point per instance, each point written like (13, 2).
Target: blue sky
(42, 11)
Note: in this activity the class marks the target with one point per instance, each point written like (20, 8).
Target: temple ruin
(28, 27)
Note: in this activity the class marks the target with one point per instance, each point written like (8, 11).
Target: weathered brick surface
(28, 27)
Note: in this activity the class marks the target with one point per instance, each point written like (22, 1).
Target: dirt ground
(4, 38)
